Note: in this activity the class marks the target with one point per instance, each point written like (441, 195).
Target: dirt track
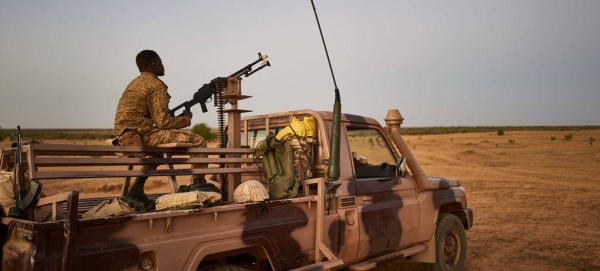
(536, 201)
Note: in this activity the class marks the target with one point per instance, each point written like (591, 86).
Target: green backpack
(279, 167)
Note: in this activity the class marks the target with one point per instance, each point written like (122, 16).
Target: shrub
(569, 137)
(592, 140)
(553, 138)
(511, 141)
(203, 130)
(500, 132)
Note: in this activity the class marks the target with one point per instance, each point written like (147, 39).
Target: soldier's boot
(198, 180)
(137, 192)
(199, 183)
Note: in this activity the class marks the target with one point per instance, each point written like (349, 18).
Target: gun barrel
(248, 68)
(18, 160)
(259, 68)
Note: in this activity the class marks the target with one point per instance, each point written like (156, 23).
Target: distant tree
(500, 132)
(569, 137)
(203, 130)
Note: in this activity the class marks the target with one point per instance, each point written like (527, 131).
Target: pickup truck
(384, 208)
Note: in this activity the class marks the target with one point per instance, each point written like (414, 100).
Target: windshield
(369, 147)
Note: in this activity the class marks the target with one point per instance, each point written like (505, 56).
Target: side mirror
(401, 165)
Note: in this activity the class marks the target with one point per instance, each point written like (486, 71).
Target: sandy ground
(536, 201)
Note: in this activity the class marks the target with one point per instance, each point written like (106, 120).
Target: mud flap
(427, 255)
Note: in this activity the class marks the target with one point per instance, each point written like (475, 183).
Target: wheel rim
(450, 247)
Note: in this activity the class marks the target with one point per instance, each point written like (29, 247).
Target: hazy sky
(64, 64)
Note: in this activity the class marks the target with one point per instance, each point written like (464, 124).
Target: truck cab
(385, 202)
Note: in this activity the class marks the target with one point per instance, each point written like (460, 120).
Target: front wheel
(450, 244)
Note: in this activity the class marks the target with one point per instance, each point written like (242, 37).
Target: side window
(256, 136)
(372, 155)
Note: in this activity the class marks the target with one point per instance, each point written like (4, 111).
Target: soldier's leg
(174, 136)
(136, 191)
(198, 142)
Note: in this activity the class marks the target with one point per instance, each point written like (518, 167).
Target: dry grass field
(536, 200)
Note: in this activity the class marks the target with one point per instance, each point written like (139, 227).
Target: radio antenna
(337, 91)
(333, 166)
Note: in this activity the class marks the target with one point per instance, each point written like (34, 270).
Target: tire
(450, 244)
(229, 268)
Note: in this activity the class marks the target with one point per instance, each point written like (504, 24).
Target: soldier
(143, 118)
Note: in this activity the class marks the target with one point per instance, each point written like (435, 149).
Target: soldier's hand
(187, 113)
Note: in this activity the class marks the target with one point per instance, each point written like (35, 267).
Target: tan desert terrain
(536, 200)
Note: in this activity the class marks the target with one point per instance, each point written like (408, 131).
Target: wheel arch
(260, 248)
(454, 206)
(429, 256)
(450, 206)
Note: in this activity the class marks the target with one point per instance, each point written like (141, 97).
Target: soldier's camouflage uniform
(144, 107)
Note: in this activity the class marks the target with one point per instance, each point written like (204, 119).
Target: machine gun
(23, 199)
(216, 87)
(207, 91)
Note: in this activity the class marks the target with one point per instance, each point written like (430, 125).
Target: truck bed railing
(53, 161)
(83, 161)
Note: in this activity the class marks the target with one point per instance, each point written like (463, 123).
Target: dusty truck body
(385, 208)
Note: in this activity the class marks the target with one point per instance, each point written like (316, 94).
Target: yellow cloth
(304, 128)
(109, 207)
(186, 200)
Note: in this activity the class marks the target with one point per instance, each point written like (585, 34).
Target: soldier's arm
(158, 102)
